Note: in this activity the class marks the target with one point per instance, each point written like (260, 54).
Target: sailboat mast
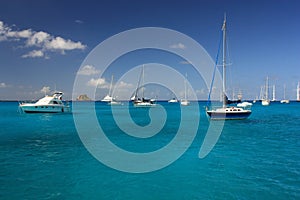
(261, 93)
(224, 61)
(110, 88)
(138, 85)
(143, 82)
(267, 88)
(185, 96)
(284, 88)
(298, 91)
(273, 98)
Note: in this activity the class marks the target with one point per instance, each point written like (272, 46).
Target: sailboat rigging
(108, 98)
(142, 102)
(265, 100)
(227, 112)
(274, 94)
(298, 91)
(184, 101)
(284, 100)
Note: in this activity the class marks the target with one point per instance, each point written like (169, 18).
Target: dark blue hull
(228, 116)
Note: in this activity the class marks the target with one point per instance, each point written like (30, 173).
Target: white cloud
(124, 85)
(38, 39)
(43, 40)
(88, 70)
(45, 89)
(100, 83)
(3, 85)
(19, 34)
(1, 25)
(178, 46)
(33, 54)
(7, 33)
(59, 43)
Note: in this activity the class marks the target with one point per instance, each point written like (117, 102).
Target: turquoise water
(42, 157)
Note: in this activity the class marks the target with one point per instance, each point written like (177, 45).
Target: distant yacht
(227, 112)
(284, 100)
(48, 104)
(142, 102)
(184, 101)
(173, 100)
(265, 100)
(108, 97)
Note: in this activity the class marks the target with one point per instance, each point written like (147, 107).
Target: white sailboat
(284, 100)
(273, 94)
(265, 100)
(228, 112)
(184, 101)
(142, 102)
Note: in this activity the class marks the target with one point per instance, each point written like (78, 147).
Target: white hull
(184, 102)
(173, 100)
(285, 101)
(265, 102)
(114, 103)
(32, 108)
(144, 104)
(48, 104)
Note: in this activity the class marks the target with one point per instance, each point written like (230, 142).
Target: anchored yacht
(47, 104)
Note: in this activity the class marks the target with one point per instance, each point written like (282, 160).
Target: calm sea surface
(42, 157)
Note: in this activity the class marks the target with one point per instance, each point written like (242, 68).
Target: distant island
(83, 97)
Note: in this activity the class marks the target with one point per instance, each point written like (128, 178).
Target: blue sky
(43, 44)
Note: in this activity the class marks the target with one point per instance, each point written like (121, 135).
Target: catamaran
(228, 112)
